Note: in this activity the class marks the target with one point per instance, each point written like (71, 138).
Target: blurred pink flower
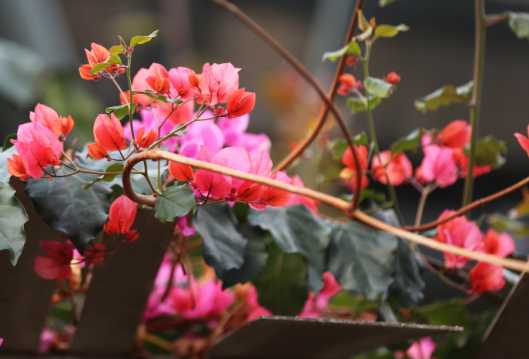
(438, 166)
(317, 304)
(421, 349)
(459, 232)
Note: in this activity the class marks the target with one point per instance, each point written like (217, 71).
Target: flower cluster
(444, 161)
(463, 233)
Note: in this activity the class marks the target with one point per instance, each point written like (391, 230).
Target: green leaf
(254, 258)
(224, 245)
(368, 193)
(445, 96)
(120, 111)
(113, 60)
(445, 313)
(362, 104)
(409, 143)
(519, 24)
(383, 3)
(490, 152)
(12, 220)
(282, 285)
(117, 49)
(4, 156)
(112, 171)
(362, 259)
(378, 87)
(352, 48)
(389, 31)
(142, 39)
(175, 201)
(503, 223)
(338, 148)
(296, 230)
(65, 205)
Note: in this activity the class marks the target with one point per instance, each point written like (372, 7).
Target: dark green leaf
(390, 30)
(175, 201)
(519, 24)
(368, 193)
(408, 280)
(362, 259)
(337, 148)
(12, 220)
(409, 143)
(142, 39)
(68, 207)
(224, 245)
(120, 111)
(378, 87)
(361, 139)
(490, 152)
(445, 96)
(282, 285)
(255, 257)
(112, 171)
(296, 230)
(351, 48)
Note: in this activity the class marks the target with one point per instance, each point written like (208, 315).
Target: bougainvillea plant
(249, 238)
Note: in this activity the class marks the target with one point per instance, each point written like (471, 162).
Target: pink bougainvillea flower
(421, 349)
(317, 304)
(48, 117)
(438, 166)
(121, 217)
(263, 196)
(154, 79)
(201, 134)
(97, 55)
(175, 114)
(455, 135)
(38, 148)
(180, 171)
(347, 83)
(498, 244)
(181, 86)
(55, 261)
(200, 300)
(1, 341)
(96, 151)
(240, 103)
(349, 173)
(217, 83)
(234, 130)
(185, 227)
(392, 78)
(145, 138)
(108, 134)
(396, 168)
(523, 140)
(486, 277)
(221, 187)
(16, 168)
(459, 232)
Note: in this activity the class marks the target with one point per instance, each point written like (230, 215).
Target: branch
(157, 155)
(300, 148)
(303, 72)
(465, 209)
(475, 101)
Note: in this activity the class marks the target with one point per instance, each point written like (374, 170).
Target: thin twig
(157, 155)
(311, 136)
(303, 72)
(465, 209)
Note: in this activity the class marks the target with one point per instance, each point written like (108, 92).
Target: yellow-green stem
(475, 101)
